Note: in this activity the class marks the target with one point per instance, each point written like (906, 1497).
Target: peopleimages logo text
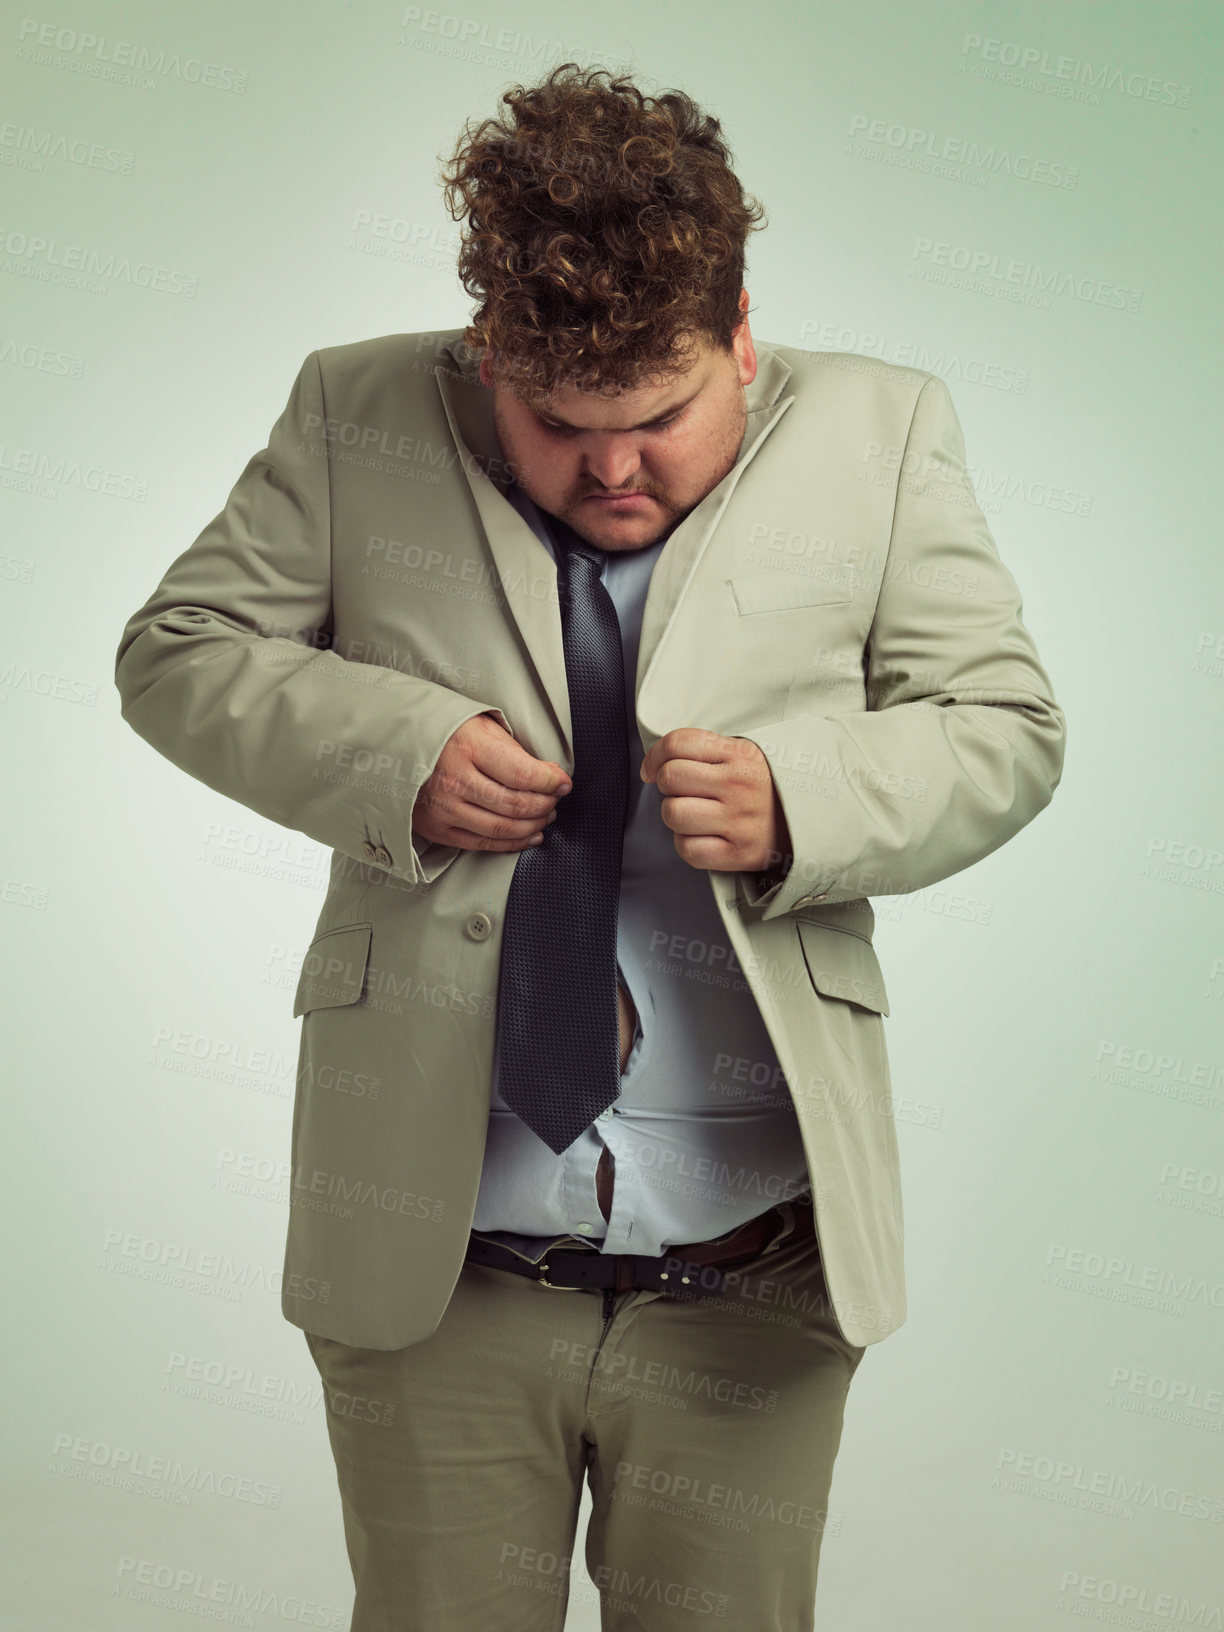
(1094, 76)
(989, 267)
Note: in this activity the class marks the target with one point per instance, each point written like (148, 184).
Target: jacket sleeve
(227, 668)
(961, 743)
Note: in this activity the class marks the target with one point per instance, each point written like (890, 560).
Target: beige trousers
(706, 1431)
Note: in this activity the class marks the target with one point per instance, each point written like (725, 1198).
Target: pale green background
(140, 907)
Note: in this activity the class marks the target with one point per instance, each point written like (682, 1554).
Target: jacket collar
(527, 573)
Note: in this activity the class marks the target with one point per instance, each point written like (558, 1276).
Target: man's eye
(572, 430)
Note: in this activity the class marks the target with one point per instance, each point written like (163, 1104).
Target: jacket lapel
(526, 572)
(677, 565)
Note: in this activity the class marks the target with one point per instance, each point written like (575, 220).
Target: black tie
(558, 1041)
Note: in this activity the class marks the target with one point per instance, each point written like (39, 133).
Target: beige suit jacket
(367, 587)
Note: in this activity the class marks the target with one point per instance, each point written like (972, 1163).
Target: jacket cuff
(430, 860)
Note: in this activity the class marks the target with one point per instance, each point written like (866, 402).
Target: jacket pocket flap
(776, 591)
(843, 965)
(334, 968)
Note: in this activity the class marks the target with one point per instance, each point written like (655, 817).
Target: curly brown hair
(605, 233)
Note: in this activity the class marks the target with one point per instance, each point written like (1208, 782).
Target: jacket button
(383, 856)
(479, 926)
(368, 851)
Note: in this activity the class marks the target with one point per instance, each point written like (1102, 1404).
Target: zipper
(609, 1300)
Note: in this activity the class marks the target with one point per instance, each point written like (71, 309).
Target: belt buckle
(542, 1270)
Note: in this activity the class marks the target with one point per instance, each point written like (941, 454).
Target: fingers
(696, 761)
(722, 798)
(694, 742)
(488, 793)
(702, 779)
(509, 780)
(698, 817)
(449, 816)
(471, 838)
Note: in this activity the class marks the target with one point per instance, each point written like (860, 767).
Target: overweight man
(619, 658)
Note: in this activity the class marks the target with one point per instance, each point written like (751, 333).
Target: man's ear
(741, 344)
(486, 373)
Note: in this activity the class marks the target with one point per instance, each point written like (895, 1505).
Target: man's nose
(613, 462)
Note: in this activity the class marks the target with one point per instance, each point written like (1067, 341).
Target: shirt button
(585, 1229)
(605, 1116)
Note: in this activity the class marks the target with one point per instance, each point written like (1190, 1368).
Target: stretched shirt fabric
(704, 1135)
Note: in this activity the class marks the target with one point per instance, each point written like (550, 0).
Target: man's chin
(612, 529)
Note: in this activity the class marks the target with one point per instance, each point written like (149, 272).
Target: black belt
(685, 1271)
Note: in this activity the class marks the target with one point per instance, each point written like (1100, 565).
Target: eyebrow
(642, 425)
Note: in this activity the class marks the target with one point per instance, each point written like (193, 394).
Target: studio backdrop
(1020, 199)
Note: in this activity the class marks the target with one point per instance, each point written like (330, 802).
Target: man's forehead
(661, 391)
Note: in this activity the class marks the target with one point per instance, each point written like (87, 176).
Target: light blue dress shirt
(704, 1135)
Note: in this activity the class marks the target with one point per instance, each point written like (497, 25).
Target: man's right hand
(487, 792)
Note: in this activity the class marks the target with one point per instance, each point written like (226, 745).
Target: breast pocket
(334, 968)
(842, 965)
(779, 591)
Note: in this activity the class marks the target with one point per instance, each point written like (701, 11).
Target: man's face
(624, 470)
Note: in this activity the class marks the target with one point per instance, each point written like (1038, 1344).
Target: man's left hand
(719, 800)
